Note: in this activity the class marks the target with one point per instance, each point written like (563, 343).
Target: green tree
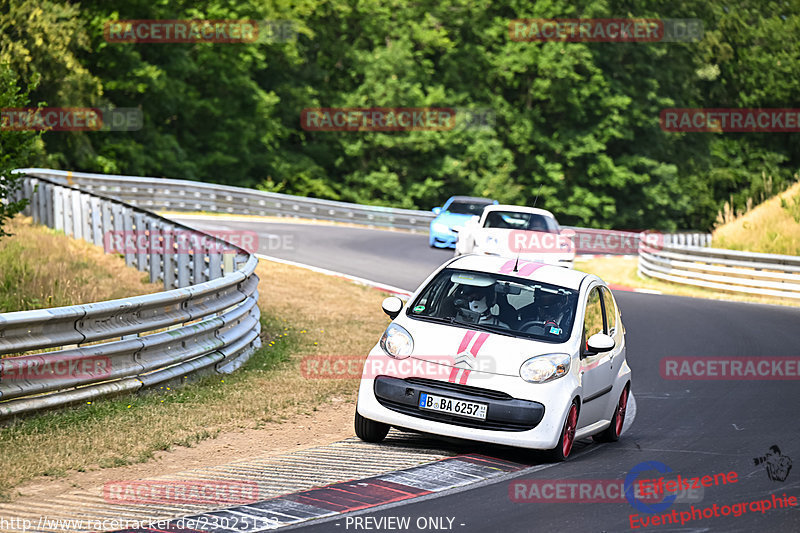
(17, 148)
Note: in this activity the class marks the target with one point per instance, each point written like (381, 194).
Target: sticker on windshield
(419, 308)
(555, 331)
(476, 280)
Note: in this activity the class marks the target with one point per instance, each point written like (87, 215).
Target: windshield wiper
(451, 321)
(485, 327)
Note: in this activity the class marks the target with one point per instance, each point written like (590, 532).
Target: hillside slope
(771, 227)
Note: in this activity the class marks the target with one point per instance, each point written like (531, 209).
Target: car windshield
(497, 303)
(521, 221)
(466, 208)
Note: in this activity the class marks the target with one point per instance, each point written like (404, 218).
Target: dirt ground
(329, 423)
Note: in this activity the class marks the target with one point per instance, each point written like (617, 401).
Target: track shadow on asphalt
(408, 440)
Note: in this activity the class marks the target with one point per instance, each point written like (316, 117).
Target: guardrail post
(139, 238)
(27, 192)
(108, 222)
(47, 204)
(228, 265)
(69, 213)
(58, 209)
(169, 256)
(199, 268)
(97, 221)
(77, 219)
(184, 242)
(119, 228)
(86, 218)
(214, 261)
(156, 250)
(35, 199)
(127, 224)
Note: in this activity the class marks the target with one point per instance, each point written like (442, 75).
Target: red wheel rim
(569, 430)
(623, 404)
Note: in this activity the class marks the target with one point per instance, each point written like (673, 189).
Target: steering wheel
(531, 323)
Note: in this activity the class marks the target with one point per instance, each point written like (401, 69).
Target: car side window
(594, 320)
(611, 311)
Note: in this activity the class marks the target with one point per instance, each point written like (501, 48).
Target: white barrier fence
(725, 270)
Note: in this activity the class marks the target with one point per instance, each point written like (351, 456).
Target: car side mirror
(436, 210)
(600, 342)
(392, 306)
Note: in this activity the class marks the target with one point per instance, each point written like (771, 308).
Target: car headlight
(544, 368)
(397, 342)
(441, 228)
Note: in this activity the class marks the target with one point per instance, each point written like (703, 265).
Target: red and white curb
(340, 498)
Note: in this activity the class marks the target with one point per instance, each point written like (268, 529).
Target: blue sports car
(454, 214)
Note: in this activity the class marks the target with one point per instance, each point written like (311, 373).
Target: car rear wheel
(567, 439)
(369, 430)
(612, 432)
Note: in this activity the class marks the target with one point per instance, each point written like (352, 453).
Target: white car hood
(474, 349)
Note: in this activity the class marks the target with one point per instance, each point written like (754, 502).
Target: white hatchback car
(513, 230)
(501, 351)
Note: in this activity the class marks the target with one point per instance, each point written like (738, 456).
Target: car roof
(493, 264)
(473, 199)
(520, 209)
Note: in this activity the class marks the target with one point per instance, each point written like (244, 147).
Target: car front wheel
(369, 430)
(567, 439)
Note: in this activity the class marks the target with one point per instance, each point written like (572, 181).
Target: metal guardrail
(725, 270)
(207, 320)
(184, 195)
(589, 241)
(160, 194)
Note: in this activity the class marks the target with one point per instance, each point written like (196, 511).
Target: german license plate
(452, 406)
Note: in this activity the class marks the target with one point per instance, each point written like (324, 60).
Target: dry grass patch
(771, 227)
(623, 271)
(304, 313)
(41, 267)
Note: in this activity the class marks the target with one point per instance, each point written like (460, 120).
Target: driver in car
(478, 305)
(552, 309)
(546, 314)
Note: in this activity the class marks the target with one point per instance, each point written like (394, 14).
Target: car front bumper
(519, 413)
(443, 240)
(504, 413)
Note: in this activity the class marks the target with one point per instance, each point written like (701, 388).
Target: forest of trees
(577, 121)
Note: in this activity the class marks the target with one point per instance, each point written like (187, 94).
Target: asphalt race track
(696, 428)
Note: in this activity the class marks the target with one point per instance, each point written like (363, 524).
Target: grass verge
(304, 314)
(41, 267)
